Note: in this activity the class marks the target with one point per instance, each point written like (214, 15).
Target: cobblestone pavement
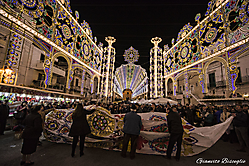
(52, 154)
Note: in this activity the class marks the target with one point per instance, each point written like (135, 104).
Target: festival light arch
(52, 65)
(221, 35)
(224, 62)
(53, 27)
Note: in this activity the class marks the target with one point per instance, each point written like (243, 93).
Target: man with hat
(132, 127)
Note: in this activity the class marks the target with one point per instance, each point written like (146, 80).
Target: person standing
(132, 127)
(80, 128)
(241, 128)
(224, 115)
(176, 132)
(31, 134)
(189, 115)
(4, 114)
(21, 113)
(208, 118)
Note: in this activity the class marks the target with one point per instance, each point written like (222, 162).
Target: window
(239, 76)
(77, 82)
(212, 82)
(42, 58)
(41, 76)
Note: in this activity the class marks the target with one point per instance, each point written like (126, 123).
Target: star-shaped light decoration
(131, 55)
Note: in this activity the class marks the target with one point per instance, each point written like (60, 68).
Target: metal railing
(197, 99)
(57, 66)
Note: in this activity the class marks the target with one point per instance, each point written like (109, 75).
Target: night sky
(134, 23)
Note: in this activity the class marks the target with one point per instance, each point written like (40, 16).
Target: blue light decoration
(186, 84)
(201, 81)
(82, 82)
(233, 79)
(197, 17)
(234, 75)
(47, 75)
(77, 15)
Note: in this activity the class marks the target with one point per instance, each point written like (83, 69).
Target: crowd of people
(196, 115)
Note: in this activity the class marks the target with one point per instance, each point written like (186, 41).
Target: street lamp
(7, 76)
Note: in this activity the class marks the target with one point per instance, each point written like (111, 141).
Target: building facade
(44, 46)
(209, 60)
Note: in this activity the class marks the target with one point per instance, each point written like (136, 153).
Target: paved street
(52, 154)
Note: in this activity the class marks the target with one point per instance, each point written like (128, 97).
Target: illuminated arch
(196, 70)
(166, 84)
(204, 71)
(92, 79)
(59, 54)
(74, 66)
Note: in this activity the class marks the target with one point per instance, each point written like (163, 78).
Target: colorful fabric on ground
(106, 132)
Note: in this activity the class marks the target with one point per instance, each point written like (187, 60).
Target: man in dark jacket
(241, 128)
(132, 127)
(189, 115)
(4, 114)
(176, 132)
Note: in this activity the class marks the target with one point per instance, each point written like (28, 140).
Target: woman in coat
(31, 134)
(80, 128)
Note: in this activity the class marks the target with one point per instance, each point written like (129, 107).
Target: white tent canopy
(164, 101)
(141, 101)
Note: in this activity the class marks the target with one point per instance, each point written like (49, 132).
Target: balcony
(220, 84)
(57, 87)
(56, 69)
(75, 90)
(40, 85)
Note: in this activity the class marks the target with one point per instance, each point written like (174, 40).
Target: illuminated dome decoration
(131, 55)
(131, 76)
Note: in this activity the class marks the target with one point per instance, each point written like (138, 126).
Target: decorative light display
(50, 25)
(131, 55)
(12, 59)
(186, 84)
(156, 69)
(224, 28)
(82, 82)
(131, 76)
(108, 68)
